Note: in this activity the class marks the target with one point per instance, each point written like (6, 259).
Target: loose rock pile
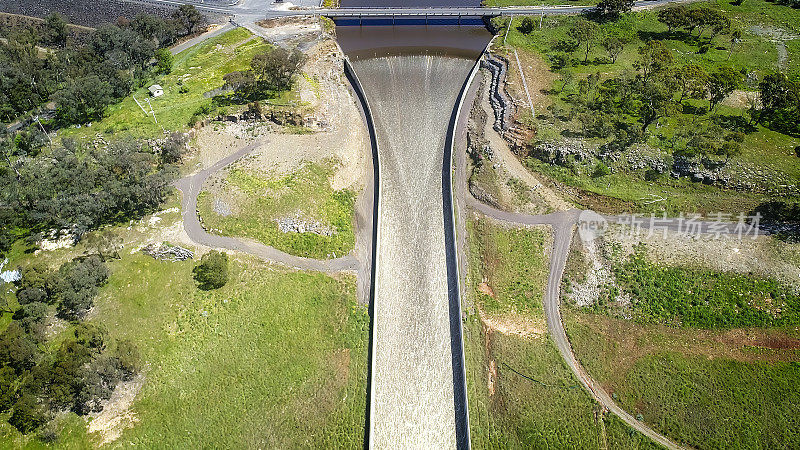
(298, 225)
(558, 152)
(167, 252)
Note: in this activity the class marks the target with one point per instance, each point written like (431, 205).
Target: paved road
(203, 37)
(191, 186)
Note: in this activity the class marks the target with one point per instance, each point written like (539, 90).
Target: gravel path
(191, 186)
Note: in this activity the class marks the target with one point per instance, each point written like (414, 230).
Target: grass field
(705, 389)
(197, 70)
(767, 159)
(520, 392)
(274, 359)
(305, 193)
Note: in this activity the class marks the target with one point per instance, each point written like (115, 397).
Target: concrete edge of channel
(355, 84)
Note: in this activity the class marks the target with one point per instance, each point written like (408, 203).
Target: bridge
(266, 10)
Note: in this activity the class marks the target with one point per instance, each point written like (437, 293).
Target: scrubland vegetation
(693, 297)
(690, 108)
(195, 347)
(83, 78)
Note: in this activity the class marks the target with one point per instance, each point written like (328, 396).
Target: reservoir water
(412, 77)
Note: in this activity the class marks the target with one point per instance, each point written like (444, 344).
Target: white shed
(156, 90)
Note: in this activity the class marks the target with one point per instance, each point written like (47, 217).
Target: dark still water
(466, 41)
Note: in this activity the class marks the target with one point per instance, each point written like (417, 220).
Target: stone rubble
(297, 225)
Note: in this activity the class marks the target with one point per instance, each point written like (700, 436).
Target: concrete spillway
(417, 379)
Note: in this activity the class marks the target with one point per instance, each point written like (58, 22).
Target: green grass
(273, 359)
(700, 401)
(535, 401)
(685, 296)
(513, 263)
(200, 69)
(635, 194)
(307, 192)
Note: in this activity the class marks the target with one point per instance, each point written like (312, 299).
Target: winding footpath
(191, 186)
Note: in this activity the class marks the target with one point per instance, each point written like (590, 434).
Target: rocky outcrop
(501, 103)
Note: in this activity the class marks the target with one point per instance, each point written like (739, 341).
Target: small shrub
(212, 271)
(164, 60)
(600, 170)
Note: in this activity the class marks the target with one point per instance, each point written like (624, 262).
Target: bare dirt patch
(633, 341)
(741, 99)
(513, 324)
(486, 289)
(528, 194)
(116, 415)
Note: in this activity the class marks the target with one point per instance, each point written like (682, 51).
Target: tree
(91, 336)
(188, 19)
(613, 46)
(17, 350)
(75, 284)
(8, 390)
(567, 78)
(212, 271)
(55, 30)
(721, 84)
(693, 81)
(154, 28)
(612, 9)
(275, 69)
(600, 170)
(243, 83)
(173, 148)
(673, 17)
(31, 318)
(720, 24)
(527, 26)
(83, 100)
(655, 59)
(28, 414)
(105, 244)
(584, 32)
(780, 100)
(736, 38)
(164, 61)
(728, 150)
(656, 101)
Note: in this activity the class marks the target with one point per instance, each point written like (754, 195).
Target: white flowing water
(413, 402)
